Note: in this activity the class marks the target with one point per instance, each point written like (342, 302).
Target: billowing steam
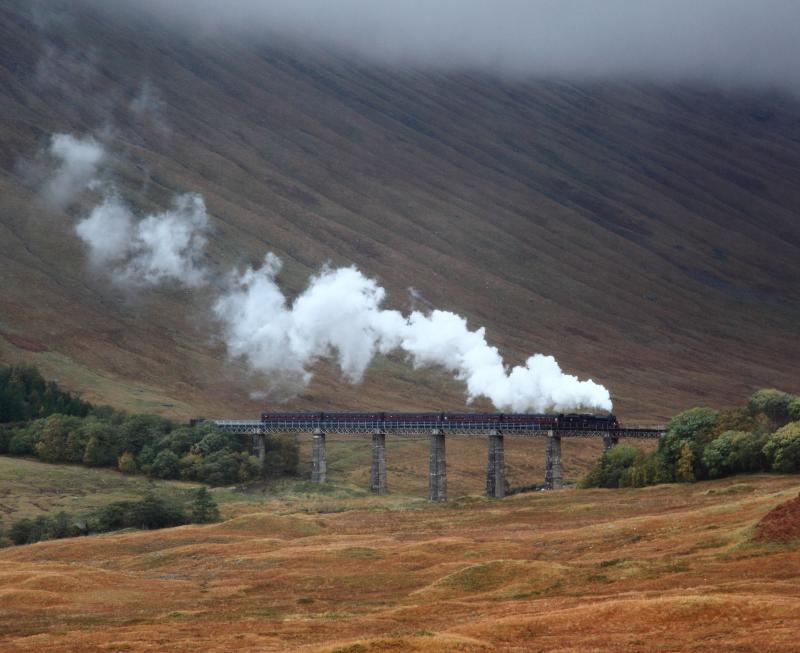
(78, 159)
(340, 315)
(161, 247)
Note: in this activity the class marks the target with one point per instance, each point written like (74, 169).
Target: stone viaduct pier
(495, 427)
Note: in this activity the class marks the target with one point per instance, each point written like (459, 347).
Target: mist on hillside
(721, 41)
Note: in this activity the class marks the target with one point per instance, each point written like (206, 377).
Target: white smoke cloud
(339, 315)
(162, 247)
(79, 159)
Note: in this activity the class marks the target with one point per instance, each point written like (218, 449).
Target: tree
(101, 446)
(250, 468)
(694, 427)
(154, 512)
(215, 439)
(773, 404)
(52, 443)
(22, 532)
(794, 409)
(204, 509)
(219, 468)
(127, 463)
(141, 430)
(281, 456)
(23, 442)
(783, 449)
(735, 452)
(684, 470)
(166, 465)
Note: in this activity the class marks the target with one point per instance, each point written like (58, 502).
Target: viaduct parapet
(438, 427)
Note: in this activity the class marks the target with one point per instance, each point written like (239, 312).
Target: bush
(783, 449)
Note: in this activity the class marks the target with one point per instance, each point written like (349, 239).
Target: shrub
(783, 448)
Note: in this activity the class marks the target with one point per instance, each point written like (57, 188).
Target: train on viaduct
(439, 426)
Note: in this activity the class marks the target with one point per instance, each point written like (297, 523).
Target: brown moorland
(667, 568)
(644, 234)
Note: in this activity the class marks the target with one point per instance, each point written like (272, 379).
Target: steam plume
(78, 159)
(339, 315)
(162, 247)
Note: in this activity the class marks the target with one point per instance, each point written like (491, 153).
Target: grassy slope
(661, 569)
(29, 488)
(646, 236)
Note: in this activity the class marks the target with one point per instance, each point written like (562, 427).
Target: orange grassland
(669, 568)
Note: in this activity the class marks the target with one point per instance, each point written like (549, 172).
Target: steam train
(444, 421)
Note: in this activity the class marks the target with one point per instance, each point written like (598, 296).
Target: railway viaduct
(495, 434)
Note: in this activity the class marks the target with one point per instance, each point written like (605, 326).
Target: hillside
(669, 568)
(645, 235)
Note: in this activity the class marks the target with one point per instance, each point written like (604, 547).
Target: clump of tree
(26, 395)
(99, 436)
(703, 443)
(150, 512)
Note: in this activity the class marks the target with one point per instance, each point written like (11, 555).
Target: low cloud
(728, 41)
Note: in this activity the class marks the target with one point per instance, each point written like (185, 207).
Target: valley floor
(669, 568)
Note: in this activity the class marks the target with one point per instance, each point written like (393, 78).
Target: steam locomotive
(445, 421)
